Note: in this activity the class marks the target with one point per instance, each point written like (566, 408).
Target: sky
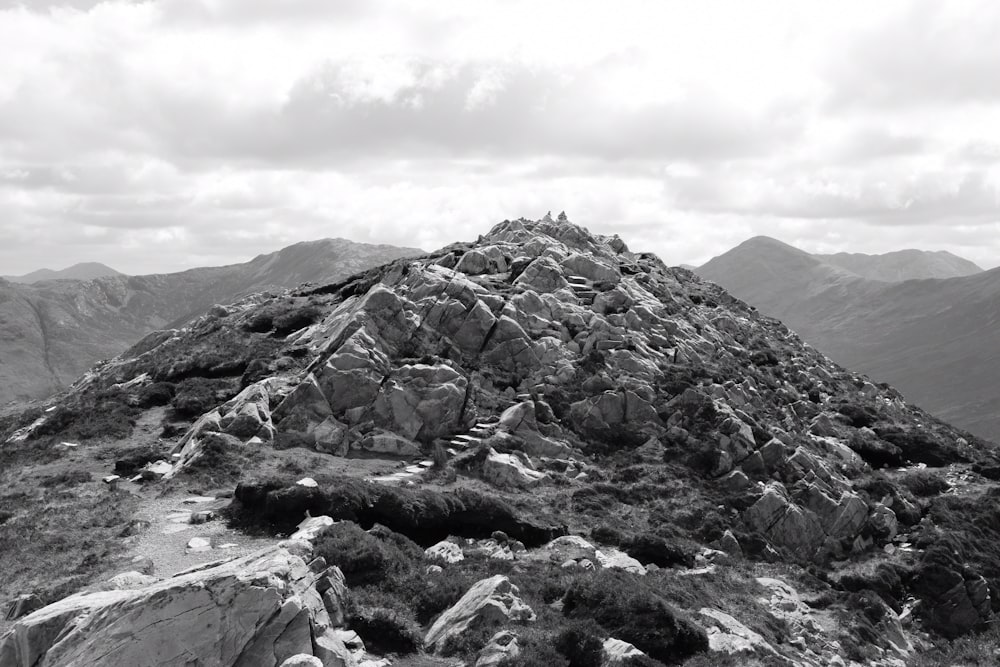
(160, 135)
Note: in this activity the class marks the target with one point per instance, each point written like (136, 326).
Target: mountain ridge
(53, 331)
(929, 337)
(599, 427)
(79, 271)
(907, 264)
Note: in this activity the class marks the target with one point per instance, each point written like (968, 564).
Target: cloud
(167, 133)
(931, 54)
(970, 197)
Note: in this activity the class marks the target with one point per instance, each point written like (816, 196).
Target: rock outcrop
(545, 370)
(493, 601)
(259, 610)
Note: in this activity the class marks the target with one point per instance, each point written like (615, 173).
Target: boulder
(333, 589)
(612, 301)
(352, 376)
(421, 401)
(615, 559)
(155, 471)
(476, 324)
(729, 544)
(954, 599)
(390, 444)
(840, 518)
(510, 349)
(493, 601)
(507, 470)
(265, 605)
(729, 636)
(785, 523)
(502, 646)
(297, 415)
(198, 545)
(612, 408)
(616, 652)
(248, 413)
(311, 527)
(521, 420)
(542, 275)
(445, 551)
(591, 268)
(736, 481)
(883, 522)
(128, 581)
(773, 454)
(328, 436)
(486, 260)
(568, 548)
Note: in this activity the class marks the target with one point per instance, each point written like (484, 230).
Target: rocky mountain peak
(543, 357)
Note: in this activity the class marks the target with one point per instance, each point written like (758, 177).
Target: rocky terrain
(935, 340)
(537, 448)
(51, 331)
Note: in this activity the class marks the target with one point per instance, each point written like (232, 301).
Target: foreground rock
(493, 601)
(259, 610)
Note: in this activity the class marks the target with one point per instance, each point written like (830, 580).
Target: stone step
(577, 280)
(610, 344)
(426, 463)
(467, 438)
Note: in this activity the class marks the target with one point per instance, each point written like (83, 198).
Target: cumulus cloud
(160, 134)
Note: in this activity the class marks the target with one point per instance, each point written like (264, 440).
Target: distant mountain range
(928, 323)
(52, 331)
(82, 271)
(903, 265)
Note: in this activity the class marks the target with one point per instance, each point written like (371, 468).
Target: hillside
(903, 265)
(54, 330)
(934, 340)
(82, 271)
(541, 447)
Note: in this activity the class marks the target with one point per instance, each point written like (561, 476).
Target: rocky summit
(537, 448)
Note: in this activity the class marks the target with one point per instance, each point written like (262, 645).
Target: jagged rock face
(259, 610)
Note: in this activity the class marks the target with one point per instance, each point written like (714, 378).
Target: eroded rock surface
(493, 601)
(259, 610)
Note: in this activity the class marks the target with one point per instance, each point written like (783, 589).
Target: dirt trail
(164, 541)
(161, 528)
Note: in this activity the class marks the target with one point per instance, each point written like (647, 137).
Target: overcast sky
(156, 136)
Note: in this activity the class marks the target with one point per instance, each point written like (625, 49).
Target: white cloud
(161, 134)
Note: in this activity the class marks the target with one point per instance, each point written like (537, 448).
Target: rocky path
(166, 530)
